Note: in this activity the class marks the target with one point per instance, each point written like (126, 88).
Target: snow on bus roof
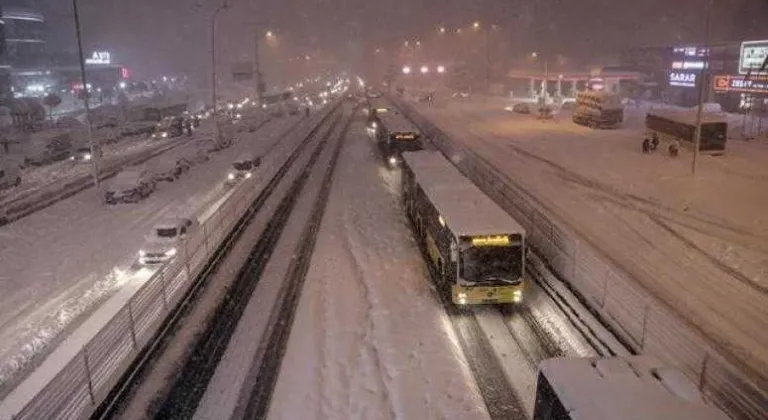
(467, 211)
(687, 116)
(395, 122)
(621, 388)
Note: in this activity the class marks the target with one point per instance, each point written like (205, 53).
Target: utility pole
(702, 82)
(257, 67)
(95, 151)
(216, 133)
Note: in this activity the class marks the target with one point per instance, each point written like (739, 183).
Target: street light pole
(95, 153)
(697, 136)
(257, 66)
(225, 5)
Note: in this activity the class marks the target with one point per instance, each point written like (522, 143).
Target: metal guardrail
(80, 387)
(644, 322)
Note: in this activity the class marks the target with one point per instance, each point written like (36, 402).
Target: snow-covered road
(370, 339)
(60, 262)
(698, 243)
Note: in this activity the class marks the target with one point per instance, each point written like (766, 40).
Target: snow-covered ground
(700, 242)
(60, 262)
(370, 340)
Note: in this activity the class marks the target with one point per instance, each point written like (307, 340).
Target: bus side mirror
(454, 252)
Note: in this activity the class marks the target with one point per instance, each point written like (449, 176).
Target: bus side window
(454, 251)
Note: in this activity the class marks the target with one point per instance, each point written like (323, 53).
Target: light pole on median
(95, 153)
(223, 6)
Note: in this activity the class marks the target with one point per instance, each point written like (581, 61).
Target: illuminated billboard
(753, 55)
(728, 83)
(682, 78)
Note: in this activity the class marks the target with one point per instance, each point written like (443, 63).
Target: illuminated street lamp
(418, 43)
(406, 70)
(442, 29)
(476, 25)
(534, 55)
(424, 69)
(441, 69)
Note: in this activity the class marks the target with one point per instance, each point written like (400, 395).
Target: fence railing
(83, 384)
(648, 325)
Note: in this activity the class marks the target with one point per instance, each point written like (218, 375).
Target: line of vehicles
(162, 243)
(599, 109)
(475, 250)
(476, 253)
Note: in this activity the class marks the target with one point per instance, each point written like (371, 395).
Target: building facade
(727, 73)
(22, 42)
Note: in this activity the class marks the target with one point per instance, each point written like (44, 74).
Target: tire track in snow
(368, 339)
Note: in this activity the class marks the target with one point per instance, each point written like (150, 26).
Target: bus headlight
(231, 177)
(165, 135)
(142, 253)
(517, 295)
(170, 253)
(248, 175)
(392, 160)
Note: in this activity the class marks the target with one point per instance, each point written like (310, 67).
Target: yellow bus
(475, 250)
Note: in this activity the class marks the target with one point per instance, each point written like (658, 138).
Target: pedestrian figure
(646, 145)
(188, 126)
(674, 148)
(654, 142)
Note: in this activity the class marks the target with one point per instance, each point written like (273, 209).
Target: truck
(598, 109)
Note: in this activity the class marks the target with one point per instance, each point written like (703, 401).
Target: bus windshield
(492, 264)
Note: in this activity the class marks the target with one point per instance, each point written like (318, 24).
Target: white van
(10, 175)
(162, 244)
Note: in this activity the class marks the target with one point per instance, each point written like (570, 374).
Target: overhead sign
(242, 71)
(752, 57)
(688, 65)
(691, 51)
(728, 83)
(682, 79)
(99, 57)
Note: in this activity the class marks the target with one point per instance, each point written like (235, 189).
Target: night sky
(156, 36)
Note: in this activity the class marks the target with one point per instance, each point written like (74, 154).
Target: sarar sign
(682, 79)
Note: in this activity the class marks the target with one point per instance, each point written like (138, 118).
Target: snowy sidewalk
(370, 340)
(698, 243)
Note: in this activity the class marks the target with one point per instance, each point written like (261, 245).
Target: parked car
(521, 108)
(242, 168)
(198, 157)
(162, 244)
(137, 128)
(130, 186)
(10, 175)
(171, 171)
(168, 128)
(461, 95)
(81, 155)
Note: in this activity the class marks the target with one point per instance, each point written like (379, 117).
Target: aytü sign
(99, 57)
(684, 79)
